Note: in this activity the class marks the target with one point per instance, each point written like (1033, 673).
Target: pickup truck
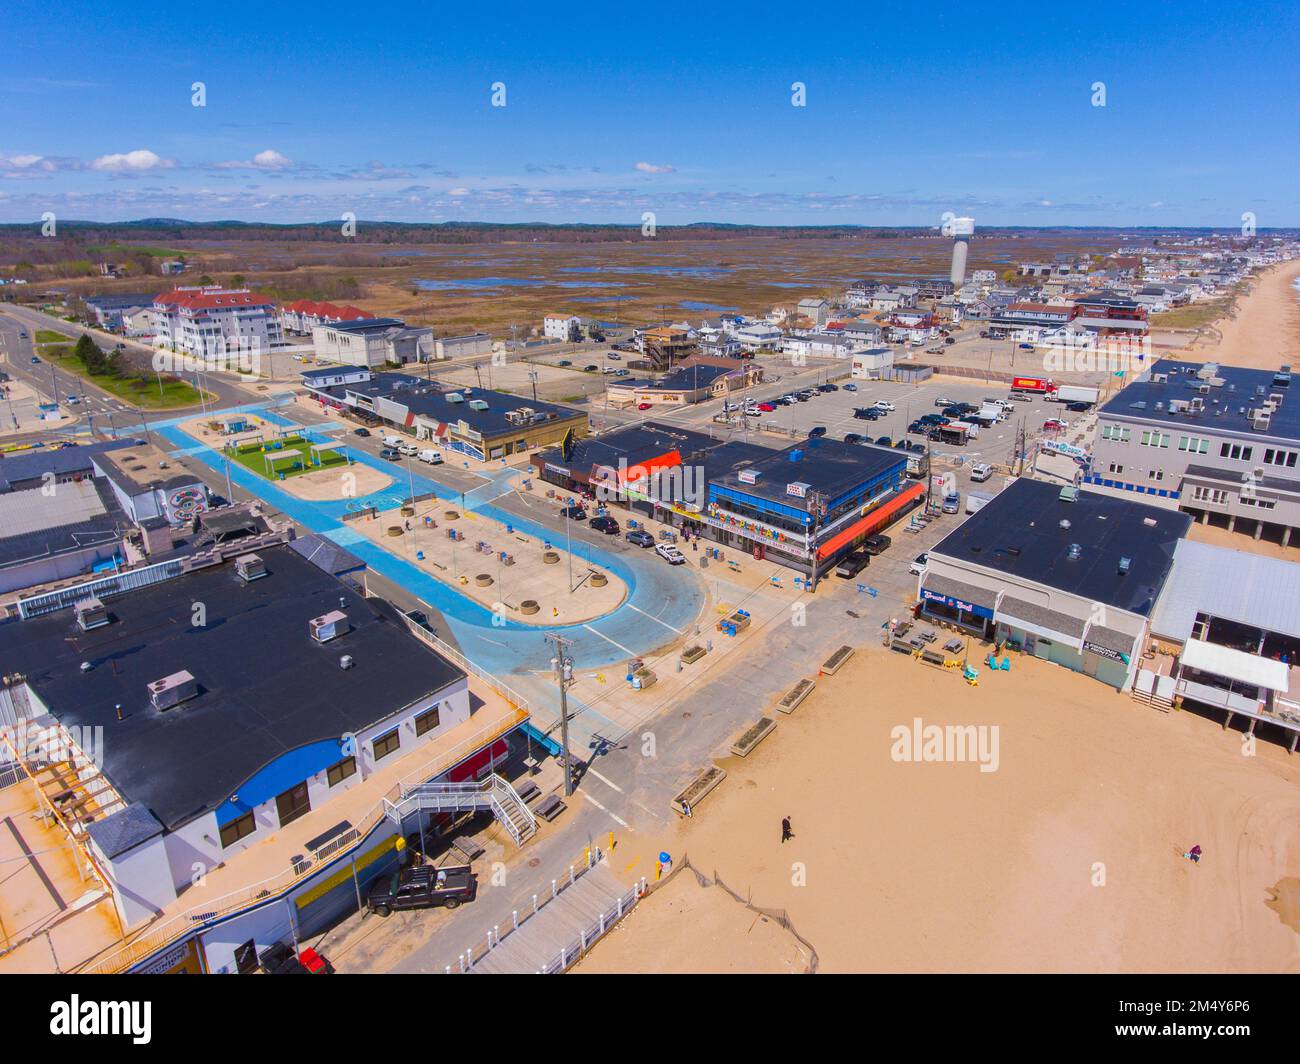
(422, 887)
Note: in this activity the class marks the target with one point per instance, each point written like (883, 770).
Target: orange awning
(635, 473)
(871, 521)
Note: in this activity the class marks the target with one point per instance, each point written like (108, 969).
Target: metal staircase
(493, 793)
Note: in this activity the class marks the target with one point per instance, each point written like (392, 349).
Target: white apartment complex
(210, 321)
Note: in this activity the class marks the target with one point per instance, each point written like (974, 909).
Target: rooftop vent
(749, 476)
(1124, 564)
(1150, 522)
(173, 690)
(1069, 494)
(346, 662)
(455, 397)
(796, 455)
(250, 567)
(329, 626)
(1074, 551)
(91, 613)
(1065, 524)
(478, 404)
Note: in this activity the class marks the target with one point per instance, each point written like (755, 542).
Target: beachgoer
(786, 833)
(1194, 854)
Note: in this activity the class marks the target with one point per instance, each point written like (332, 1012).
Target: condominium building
(209, 321)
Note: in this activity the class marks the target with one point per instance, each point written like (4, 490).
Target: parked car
(615, 356)
(981, 472)
(952, 503)
(787, 399)
(361, 432)
(853, 437)
(869, 413)
(593, 368)
(852, 564)
(639, 537)
(850, 387)
(828, 387)
(1026, 347)
(876, 544)
(885, 441)
(564, 362)
(604, 524)
(943, 402)
(422, 887)
(391, 454)
(766, 408)
(1053, 425)
(35, 360)
(430, 456)
(1078, 408)
(887, 407)
(918, 426)
(420, 618)
(643, 406)
(816, 431)
(918, 565)
(72, 400)
(574, 513)
(409, 449)
(670, 554)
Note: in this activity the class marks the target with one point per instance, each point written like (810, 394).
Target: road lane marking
(613, 816)
(606, 782)
(654, 618)
(629, 653)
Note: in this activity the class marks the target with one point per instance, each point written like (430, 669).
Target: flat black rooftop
(1019, 533)
(832, 467)
(1226, 406)
(635, 444)
(265, 686)
(430, 399)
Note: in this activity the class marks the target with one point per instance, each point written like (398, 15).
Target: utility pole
(563, 677)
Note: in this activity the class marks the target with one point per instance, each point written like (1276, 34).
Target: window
(1236, 452)
(293, 803)
(337, 773)
(1151, 438)
(1274, 456)
(1215, 495)
(1156, 474)
(385, 744)
(1194, 444)
(238, 829)
(1117, 433)
(426, 721)
(1255, 500)
(1115, 467)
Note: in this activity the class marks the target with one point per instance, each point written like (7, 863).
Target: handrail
(176, 927)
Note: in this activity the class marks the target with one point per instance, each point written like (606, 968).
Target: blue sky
(385, 111)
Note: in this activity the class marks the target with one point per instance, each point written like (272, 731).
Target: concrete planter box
(755, 734)
(647, 677)
(693, 654)
(393, 530)
(598, 580)
(697, 789)
(483, 580)
(795, 695)
(550, 558)
(832, 664)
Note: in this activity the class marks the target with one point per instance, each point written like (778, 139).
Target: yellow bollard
(611, 842)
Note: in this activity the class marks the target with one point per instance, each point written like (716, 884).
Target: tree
(90, 355)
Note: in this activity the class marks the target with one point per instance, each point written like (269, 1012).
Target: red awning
(634, 473)
(867, 524)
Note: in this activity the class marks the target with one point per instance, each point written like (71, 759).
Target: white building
(873, 363)
(373, 342)
(561, 326)
(210, 321)
(760, 335)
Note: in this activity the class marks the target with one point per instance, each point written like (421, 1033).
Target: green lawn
(49, 336)
(140, 391)
(250, 456)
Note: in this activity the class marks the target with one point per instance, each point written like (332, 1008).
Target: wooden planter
(528, 607)
(753, 735)
(483, 580)
(394, 530)
(693, 654)
(598, 580)
(550, 558)
(795, 695)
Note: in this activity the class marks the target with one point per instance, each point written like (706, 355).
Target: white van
(392, 441)
(431, 456)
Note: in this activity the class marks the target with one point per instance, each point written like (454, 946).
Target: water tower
(962, 230)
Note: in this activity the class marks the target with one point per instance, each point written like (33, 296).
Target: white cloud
(132, 162)
(270, 159)
(651, 168)
(458, 192)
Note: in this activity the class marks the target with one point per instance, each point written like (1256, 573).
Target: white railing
(493, 793)
(590, 935)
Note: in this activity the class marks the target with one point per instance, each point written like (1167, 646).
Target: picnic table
(953, 645)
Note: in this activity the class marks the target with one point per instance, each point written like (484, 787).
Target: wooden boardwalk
(559, 925)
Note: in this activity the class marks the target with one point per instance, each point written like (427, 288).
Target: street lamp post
(563, 677)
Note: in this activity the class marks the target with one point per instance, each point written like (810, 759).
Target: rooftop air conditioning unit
(455, 397)
(173, 690)
(1124, 564)
(329, 626)
(91, 613)
(477, 404)
(250, 567)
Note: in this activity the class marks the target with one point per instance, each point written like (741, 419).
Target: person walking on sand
(786, 833)
(1194, 854)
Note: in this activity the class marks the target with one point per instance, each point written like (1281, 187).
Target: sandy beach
(1068, 857)
(1264, 330)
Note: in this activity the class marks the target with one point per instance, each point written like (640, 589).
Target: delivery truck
(976, 500)
(1073, 393)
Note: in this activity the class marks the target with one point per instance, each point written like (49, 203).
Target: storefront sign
(956, 604)
(1105, 652)
(557, 469)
